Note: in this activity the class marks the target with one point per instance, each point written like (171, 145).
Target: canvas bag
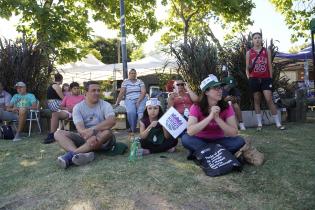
(215, 160)
(7, 132)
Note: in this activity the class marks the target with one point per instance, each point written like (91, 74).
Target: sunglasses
(180, 84)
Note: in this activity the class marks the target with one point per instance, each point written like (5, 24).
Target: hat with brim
(210, 82)
(20, 84)
(230, 81)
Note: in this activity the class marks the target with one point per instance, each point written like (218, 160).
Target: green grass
(30, 178)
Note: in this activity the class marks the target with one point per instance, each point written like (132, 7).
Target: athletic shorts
(79, 141)
(260, 84)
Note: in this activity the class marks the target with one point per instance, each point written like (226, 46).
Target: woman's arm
(58, 90)
(195, 127)
(142, 95)
(247, 64)
(269, 62)
(229, 127)
(167, 135)
(144, 132)
(170, 100)
(120, 95)
(193, 96)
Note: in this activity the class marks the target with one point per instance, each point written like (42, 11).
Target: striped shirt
(133, 89)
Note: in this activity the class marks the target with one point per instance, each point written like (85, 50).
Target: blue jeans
(134, 113)
(192, 143)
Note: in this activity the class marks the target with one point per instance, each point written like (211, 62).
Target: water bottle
(133, 155)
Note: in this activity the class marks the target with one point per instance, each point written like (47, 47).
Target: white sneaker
(242, 127)
(17, 138)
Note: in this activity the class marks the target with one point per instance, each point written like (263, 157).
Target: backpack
(215, 160)
(6, 132)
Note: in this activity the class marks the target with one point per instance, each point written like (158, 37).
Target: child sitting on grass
(154, 137)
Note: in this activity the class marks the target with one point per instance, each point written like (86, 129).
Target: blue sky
(264, 15)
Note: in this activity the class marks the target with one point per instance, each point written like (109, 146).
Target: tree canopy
(61, 26)
(297, 15)
(191, 17)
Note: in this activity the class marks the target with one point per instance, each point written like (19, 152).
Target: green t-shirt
(26, 100)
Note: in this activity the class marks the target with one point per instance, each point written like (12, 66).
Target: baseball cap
(20, 84)
(209, 82)
(230, 81)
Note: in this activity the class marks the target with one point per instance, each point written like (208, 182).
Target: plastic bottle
(133, 150)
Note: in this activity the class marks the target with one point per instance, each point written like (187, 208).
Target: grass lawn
(30, 178)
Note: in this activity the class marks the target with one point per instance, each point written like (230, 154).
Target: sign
(173, 122)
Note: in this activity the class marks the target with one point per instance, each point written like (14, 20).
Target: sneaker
(65, 160)
(242, 127)
(83, 158)
(17, 137)
(259, 128)
(50, 139)
(281, 127)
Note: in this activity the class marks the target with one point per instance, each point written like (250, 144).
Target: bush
(196, 60)
(23, 61)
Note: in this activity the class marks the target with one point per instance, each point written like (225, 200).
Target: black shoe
(50, 139)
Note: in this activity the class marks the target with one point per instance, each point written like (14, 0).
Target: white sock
(259, 119)
(276, 119)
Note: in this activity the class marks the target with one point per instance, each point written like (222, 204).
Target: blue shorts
(260, 84)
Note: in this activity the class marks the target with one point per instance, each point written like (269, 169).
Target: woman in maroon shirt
(259, 73)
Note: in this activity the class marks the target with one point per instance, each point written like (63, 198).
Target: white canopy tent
(90, 68)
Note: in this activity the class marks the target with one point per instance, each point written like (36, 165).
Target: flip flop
(281, 127)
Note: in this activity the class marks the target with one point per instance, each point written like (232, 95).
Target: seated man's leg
(70, 142)
(23, 112)
(54, 123)
(84, 154)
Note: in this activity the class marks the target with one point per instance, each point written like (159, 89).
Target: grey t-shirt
(92, 116)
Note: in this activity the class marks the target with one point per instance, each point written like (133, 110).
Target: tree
(61, 27)
(297, 15)
(109, 48)
(192, 17)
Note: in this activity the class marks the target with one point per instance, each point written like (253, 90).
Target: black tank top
(51, 93)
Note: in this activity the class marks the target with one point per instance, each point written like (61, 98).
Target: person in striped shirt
(134, 91)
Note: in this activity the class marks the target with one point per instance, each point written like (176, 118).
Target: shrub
(22, 60)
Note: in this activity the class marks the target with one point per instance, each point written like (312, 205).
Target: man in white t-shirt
(94, 119)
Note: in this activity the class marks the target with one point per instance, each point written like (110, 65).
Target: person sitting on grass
(153, 137)
(19, 108)
(232, 94)
(94, 118)
(211, 121)
(65, 112)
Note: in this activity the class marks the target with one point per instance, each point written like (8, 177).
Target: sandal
(281, 127)
(259, 128)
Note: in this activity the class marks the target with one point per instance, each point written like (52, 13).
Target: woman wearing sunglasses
(182, 98)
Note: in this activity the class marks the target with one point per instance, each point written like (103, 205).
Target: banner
(173, 122)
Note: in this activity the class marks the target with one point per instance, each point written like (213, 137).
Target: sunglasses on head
(180, 84)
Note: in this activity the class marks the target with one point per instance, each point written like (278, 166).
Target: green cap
(230, 81)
